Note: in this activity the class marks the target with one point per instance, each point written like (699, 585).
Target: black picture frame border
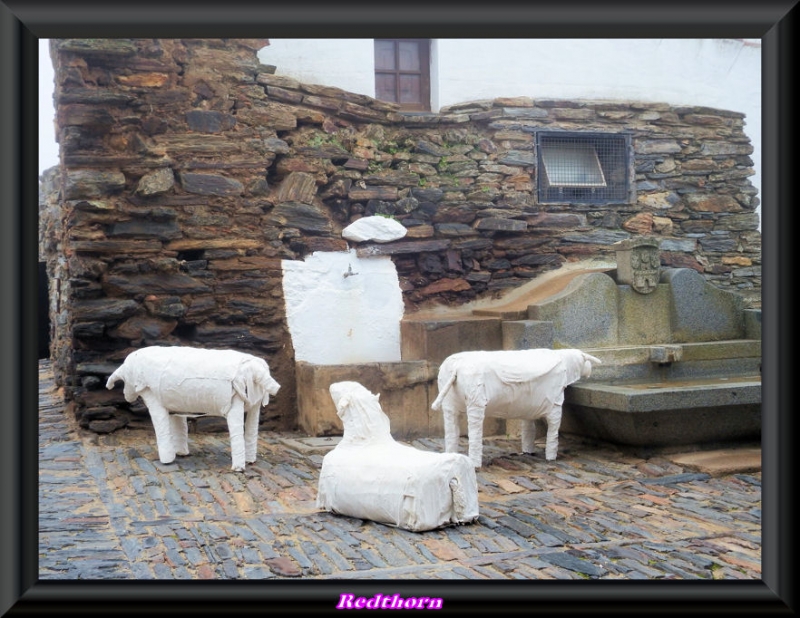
(22, 23)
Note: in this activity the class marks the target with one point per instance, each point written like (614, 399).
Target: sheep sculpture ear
(139, 385)
(341, 405)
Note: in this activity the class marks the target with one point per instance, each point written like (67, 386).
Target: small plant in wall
(316, 140)
(374, 166)
(319, 140)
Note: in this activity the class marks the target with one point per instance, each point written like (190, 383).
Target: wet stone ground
(108, 510)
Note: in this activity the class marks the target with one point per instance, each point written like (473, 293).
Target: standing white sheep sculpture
(518, 384)
(178, 382)
(370, 476)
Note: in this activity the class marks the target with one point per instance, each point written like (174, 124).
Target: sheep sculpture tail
(437, 403)
(113, 379)
(460, 502)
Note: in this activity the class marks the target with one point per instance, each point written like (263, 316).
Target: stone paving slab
(721, 461)
(110, 511)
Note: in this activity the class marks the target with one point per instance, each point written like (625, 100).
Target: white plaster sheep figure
(370, 476)
(179, 382)
(519, 384)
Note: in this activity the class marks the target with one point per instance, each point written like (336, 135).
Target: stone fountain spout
(665, 354)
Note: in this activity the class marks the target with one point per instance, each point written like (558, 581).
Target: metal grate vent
(586, 168)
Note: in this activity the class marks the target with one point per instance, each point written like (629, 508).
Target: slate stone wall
(189, 171)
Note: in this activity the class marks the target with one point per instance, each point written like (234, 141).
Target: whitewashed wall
(342, 309)
(720, 73)
(345, 63)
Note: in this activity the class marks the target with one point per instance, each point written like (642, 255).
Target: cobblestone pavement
(108, 510)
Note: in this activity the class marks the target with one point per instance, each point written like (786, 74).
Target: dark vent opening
(191, 255)
(185, 332)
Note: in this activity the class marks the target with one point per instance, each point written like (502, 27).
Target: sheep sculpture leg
(251, 433)
(179, 429)
(475, 416)
(236, 430)
(451, 431)
(553, 425)
(451, 408)
(474, 429)
(528, 432)
(172, 432)
(161, 423)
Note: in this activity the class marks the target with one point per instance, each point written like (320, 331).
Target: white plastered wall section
(342, 309)
(344, 63)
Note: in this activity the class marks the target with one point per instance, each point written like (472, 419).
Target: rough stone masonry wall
(189, 171)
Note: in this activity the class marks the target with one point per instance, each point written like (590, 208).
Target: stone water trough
(681, 357)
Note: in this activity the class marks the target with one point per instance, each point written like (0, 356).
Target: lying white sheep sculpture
(179, 382)
(370, 476)
(520, 384)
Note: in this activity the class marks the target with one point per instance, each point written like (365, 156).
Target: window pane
(385, 87)
(572, 165)
(409, 56)
(410, 89)
(384, 55)
(402, 73)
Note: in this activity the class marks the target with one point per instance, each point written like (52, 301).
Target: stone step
(678, 412)
(650, 396)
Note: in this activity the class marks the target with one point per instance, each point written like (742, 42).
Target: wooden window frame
(424, 73)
